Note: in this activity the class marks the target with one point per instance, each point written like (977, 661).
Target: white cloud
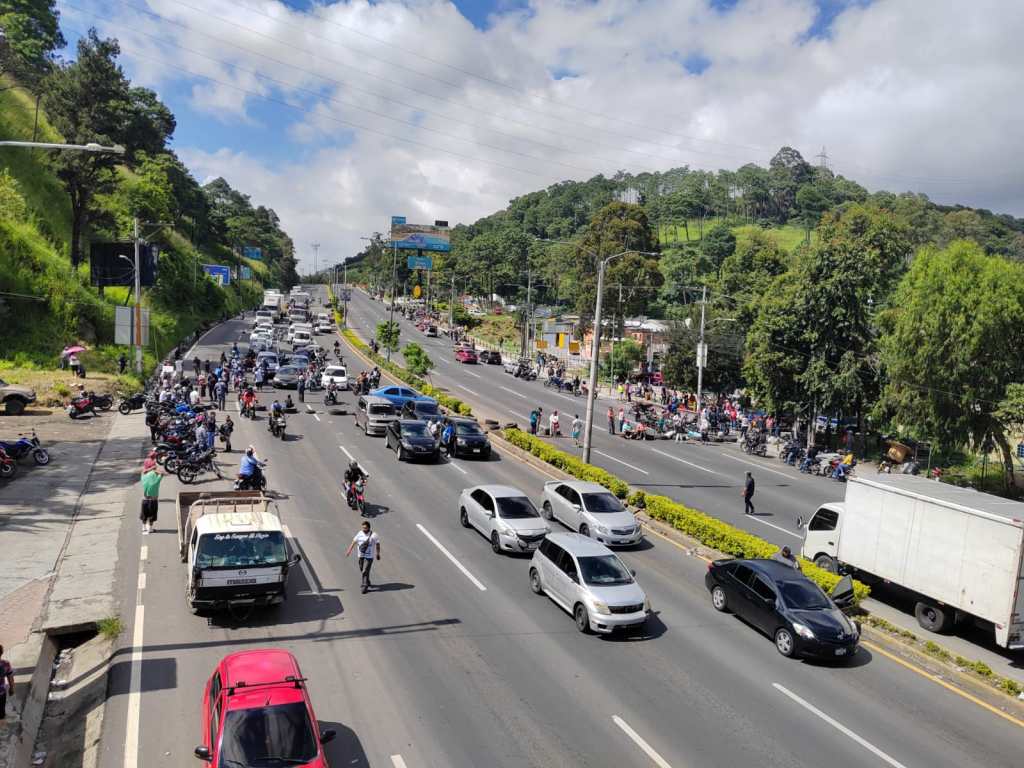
(904, 95)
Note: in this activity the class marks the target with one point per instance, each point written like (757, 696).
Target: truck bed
(227, 501)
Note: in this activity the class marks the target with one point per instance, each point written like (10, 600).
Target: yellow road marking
(944, 684)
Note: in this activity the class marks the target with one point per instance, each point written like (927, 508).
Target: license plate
(476, 450)
(840, 651)
(235, 582)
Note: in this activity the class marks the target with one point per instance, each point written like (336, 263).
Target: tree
(747, 274)
(416, 360)
(29, 35)
(811, 202)
(624, 357)
(949, 349)
(787, 171)
(718, 245)
(387, 335)
(88, 101)
(150, 124)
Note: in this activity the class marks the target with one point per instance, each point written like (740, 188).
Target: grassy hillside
(788, 236)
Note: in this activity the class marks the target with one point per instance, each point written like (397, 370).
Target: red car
(256, 712)
(463, 355)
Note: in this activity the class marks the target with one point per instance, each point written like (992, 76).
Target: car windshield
(803, 596)
(427, 409)
(335, 371)
(288, 370)
(381, 410)
(604, 570)
(516, 507)
(601, 503)
(267, 736)
(414, 429)
(468, 429)
(237, 550)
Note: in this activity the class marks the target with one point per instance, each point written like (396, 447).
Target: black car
(422, 410)
(786, 605)
(490, 356)
(411, 439)
(470, 439)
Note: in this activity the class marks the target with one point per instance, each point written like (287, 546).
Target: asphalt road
(707, 477)
(434, 668)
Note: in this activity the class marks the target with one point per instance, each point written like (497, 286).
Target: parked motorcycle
(103, 402)
(189, 468)
(26, 446)
(133, 403)
(79, 406)
(8, 466)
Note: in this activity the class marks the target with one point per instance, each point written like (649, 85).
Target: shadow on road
(346, 749)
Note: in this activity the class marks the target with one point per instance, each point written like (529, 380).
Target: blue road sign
(396, 220)
(221, 275)
(421, 262)
(246, 273)
(252, 252)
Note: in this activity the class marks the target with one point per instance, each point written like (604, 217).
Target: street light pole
(316, 253)
(702, 350)
(138, 300)
(117, 149)
(394, 288)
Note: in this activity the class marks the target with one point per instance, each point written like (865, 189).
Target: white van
(301, 338)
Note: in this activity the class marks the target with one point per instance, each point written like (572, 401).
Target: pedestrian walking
(202, 385)
(6, 683)
(122, 363)
(534, 420)
(150, 498)
(302, 388)
(611, 420)
(73, 363)
(367, 542)
(206, 366)
(202, 433)
(748, 494)
(211, 429)
(577, 426)
(196, 365)
(221, 390)
(622, 418)
(258, 376)
(225, 432)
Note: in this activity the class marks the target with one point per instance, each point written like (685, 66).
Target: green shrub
(567, 462)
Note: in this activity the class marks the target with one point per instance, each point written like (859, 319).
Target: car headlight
(407, 445)
(647, 605)
(601, 529)
(459, 441)
(803, 630)
(600, 607)
(504, 530)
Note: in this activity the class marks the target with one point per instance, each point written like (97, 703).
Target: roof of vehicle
(581, 546)
(267, 353)
(263, 671)
(330, 370)
(773, 569)
(949, 495)
(375, 400)
(421, 400)
(580, 485)
(410, 422)
(230, 521)
(499, 491)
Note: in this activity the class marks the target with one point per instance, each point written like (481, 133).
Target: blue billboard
(421, 237)
(221, 275)
(421, 262)
(246, 273)
(396, 220)
(252, 252)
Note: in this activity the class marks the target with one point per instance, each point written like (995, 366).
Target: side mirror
(799, 521)
(632, 573)
(203, 753)
(577, 507)
(327, 735)
(574, 578)
(295, 560)
(491, 515)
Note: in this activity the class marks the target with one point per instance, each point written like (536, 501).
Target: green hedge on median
(708, 530)
(447, 401)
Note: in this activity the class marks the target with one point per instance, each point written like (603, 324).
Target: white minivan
(301, 338)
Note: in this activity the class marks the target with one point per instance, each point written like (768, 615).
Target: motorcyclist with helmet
(352, 475)
(250, 472)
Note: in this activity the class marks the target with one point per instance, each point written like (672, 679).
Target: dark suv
(787, 606)
(469, 439)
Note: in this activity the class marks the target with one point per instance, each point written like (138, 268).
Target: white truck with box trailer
(235, 549)
(957, 551)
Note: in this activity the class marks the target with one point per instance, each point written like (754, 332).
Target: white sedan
(505, 515)
(591, 510)
(336, 374)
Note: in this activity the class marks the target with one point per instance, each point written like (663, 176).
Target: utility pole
(528, 316)
(394, 287)
(451, 307)
(138, 299)
(344, 314)
(316, 253)
(702, 349)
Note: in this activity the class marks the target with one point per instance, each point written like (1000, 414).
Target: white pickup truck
(235, 549)
(958, 553)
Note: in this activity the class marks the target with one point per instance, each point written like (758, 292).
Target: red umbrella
(73, 350)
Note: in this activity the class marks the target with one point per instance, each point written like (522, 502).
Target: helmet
(353, 465)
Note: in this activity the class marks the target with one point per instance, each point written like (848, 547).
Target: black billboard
(114, 263)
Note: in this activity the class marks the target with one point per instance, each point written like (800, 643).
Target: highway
(452, 661)
(707, 477)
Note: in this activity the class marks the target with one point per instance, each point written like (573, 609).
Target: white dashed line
(839, 727)
(759, 466)
(131, 738)
(474, 375)
(316, 417)
(453, 464)
(397, 761)
(144, 553)
(639, 741)
(450, 556)
(684, 461)
(469, 390)
(142, 580)
(345, 451)
(641, 471)
(513, 392)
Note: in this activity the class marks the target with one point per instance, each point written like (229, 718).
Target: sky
(339, 115)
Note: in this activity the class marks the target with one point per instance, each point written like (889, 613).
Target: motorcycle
(82, 405)
(8, 466)
(276, 425)
(103, 402)
(356, 496)
(249, 411)
(331, 398)
(133, 403)
(257, 481)
(188, 468)
(25, 446)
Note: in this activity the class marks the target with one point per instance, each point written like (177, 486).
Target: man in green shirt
(150, 497)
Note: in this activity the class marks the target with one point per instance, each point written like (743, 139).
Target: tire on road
(784, 642)
(934, 618)
(535, 585)
(826, 563)
(582, 619)
(719, 599)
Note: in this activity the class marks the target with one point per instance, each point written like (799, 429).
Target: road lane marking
(131, 737)
(451, 557)
(657, 759)
(943, 683)
(839, 727)
(345, 451)
(316, 417)
(513, 392)
(144, 553)
(469, 390)
(453, 464)
(684, 461)
(776, 527)
(474, 375)
(759, 466)
(397, 761)
(302, 563)
(641, 471)
(142, 580)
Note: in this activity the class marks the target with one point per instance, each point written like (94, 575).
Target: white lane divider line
(527, 418)
(302, 563)
(316, 417)
(469, 390)
(398, 762)
(345, 451)
(513, 392)
(684, 461)
(776, 527)
(453, 464)
(639, 741)
(474, 375)
(641, 471)
(142, 580)
(144, 553)
(762, 467)
(131, 736)
(450, 556)
(839, 727)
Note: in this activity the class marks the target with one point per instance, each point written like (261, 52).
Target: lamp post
(92, 146)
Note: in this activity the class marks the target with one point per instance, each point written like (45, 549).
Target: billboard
(396, 220)
(252, 252)
(420, 237)
(219, 274)
(124, 326)
(246, 273)
(420, 262)
(114, 263)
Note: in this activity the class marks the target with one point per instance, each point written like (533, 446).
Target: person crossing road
(368, 544)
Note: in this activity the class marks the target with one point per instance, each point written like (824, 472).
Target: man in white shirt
(368, 544)
(193, 397)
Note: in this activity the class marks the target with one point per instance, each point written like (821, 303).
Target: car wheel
(932, 617)
(826, 563)
(546, 509)
(464, 518)
(784, 642)
(495, 543)
(582, 619)
(535, 585)
(719, 599)
(14, 407)
(585, 530)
